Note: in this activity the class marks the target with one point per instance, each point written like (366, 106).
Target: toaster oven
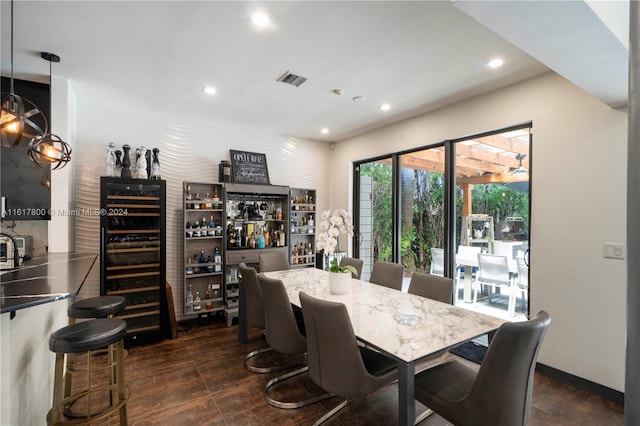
(14, 251)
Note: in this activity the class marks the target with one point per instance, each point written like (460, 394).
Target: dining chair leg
(291, 405)
(263, 370)
(330, 413)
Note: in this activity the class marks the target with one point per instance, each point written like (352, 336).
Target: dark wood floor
(199, 379)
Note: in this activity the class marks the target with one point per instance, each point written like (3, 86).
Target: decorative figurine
(126, 162)
(118, 163)
(141, 163)
(111, 160)
(155, 165)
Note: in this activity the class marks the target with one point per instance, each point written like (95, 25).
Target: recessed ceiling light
(495, 63)
(358, 99)
(324, 131)
(385, 107)
(260, 19)
(209, 90)
(337, 92)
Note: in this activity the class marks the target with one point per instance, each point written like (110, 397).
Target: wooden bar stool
(102, 394)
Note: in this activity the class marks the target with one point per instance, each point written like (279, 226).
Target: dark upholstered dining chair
(283, 335)
(388, 274)
(432, 286)
(499, 393)
(336, 362)
(255, 315)
(273, 261)
(355, 262)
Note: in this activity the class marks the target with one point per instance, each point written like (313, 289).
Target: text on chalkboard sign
(249, 167)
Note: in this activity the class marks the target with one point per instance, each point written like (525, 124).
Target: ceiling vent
(292, 79)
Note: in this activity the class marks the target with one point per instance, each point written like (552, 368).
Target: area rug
(472, 351)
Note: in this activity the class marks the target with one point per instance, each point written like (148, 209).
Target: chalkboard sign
(249, 167)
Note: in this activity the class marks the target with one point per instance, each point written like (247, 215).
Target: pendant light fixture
(50, 149)
(20, 118)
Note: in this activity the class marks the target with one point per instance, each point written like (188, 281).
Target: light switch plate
(614, 250)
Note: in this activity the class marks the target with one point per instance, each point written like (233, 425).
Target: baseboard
(579, 382)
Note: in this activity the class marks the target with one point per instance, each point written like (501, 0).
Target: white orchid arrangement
(331, 225)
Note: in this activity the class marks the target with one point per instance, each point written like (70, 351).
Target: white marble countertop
(406, 326)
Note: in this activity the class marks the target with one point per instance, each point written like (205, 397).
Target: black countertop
(44, 279)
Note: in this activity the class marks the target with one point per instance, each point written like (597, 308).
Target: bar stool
(96, 307)
(88, 337)
(91, 308)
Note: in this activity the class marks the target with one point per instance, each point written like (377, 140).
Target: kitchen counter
(44, 279)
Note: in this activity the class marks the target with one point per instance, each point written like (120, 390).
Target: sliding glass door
(436, 208)
(492, 181)
(422, 210)
(374, 238)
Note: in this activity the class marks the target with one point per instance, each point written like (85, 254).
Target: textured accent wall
(190, 150)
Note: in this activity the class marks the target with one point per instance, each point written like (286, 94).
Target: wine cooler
(132, 254)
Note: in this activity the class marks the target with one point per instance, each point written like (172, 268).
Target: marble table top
(405, 326)
(44, 279)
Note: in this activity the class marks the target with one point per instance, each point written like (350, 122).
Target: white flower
(330, 227)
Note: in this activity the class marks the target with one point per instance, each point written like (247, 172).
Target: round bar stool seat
(88, 337)
(97, 307)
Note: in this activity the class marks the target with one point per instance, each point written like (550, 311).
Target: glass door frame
(450, 231)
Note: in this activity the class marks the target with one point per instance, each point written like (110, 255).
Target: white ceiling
(416, 55)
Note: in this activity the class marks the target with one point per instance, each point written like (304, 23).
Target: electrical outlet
(614, 250)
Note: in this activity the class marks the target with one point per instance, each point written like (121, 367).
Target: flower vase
(340, 282)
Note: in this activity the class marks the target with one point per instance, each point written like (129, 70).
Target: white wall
(27, 366)
(62, 124)
(578, 203)
(189, 151)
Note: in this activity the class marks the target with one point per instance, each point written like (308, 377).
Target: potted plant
(333, 224)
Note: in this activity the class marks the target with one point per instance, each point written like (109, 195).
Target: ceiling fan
(520, 171)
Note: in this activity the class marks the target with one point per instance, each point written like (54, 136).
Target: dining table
(408, 328)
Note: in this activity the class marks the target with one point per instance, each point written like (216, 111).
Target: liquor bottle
(230, 241)
(203, 227)
(294, 254)
(267, 238)
(261, 242)
(196, 199)
(209, 265)
(189, 267)
(216, 199)
(188, 195)
(217, 260)
(189, 299)
(202, 258)
(208, 202)
(197, 303)
(282, 236)
(207, 296)
(252, 241)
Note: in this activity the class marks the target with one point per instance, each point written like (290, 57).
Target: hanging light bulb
(20, 118)
(50, 149)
